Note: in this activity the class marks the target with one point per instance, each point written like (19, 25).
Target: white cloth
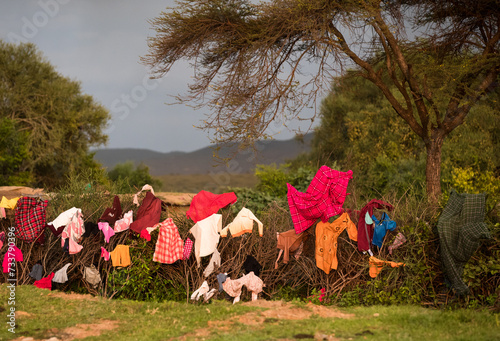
(91, 274)
(243, 223)
(61, 275)
(144, 188)
(202, 290)
(64, 218)
(214, 261)
(206, 234)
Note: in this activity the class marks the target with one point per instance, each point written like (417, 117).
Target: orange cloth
(376, 265)
(290, 242)
(120, 255)
(326, 241)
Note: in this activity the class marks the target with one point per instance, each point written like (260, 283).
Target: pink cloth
(252, 282)
(323, 198)
(74, 231)
(124, 223)
(45, 283)
(145, 234)
(104, 254)
(106, 229)
(204, 204)
(169, 244)
(188, 246)
(12, 253)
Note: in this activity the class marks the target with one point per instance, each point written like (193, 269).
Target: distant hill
(202, 161)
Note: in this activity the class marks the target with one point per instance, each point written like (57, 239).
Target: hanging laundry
(91, 229)
(169, 245)
(45, 283)
(242, 223)
(145, 235)
(323, 198)
(12, 254)
(252, 265)
(148, 214)
(106, 230)
(61, 275)
(120, 256)
(461, 229)
(188, 246)
(376, 265)
(205, 203)
(327, 235)
(203, 291)
(124, 223)
(221, 278)
(64, 218)
(365, 230)
(9, 203)
(381, 227)
(398, 241)
(104, 254)
(206, 234)
(290, 242)
(92, 275)
(37, 271)
(212, 264)
(144, 188)
(113, 213)
(73, 233)
(30, 219)
(250, 281)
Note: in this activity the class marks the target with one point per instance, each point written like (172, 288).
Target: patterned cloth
(188, 246)
(124, 223)
(365, 230)
(398, 241)
(169, 246)
(30, 218)
(250, 281)
(205, 203)
(323, 198)
(73, 233)
(461, 228)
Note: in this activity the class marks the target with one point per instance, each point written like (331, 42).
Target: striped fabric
(30, 218)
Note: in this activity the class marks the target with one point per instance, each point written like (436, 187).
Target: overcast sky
(99, 43)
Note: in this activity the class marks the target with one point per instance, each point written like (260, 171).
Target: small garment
(91, 229)
(376, 265)
(214, 262)
(205, 203)
(381, 227)
(290, 242)
(2, 213)
(120, 256)
(148, 214)
(124, 223)
(145, 235)
(9, 203)
(398, 241)
(30, 219)
(252, 265)
(64, 218)
(203, 291)
(206, 236)
(113, 213)
(365, 230)
(45, 283)
(91, 275)
(327, 235)
(169, 245)
(106, 230)
(73, 233)
(188, 246)
(12, 254)
(144, 188)
(221, 278)
(37, 271)
(461, 229)
(61, 275)
(104, 254)
(55, 232)
(242, 223)
(323, 198)
(250, 281)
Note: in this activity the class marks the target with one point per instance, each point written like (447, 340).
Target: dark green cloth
(461, 228)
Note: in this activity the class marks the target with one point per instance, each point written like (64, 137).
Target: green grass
(50, 314)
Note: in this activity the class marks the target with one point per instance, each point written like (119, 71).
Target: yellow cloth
(376, 265)
(120, 256)
(9, 203)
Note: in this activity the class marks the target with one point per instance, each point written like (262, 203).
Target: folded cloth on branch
(376, 265)
(323, 198)
(290, 242)
(61, 275)
(243, 223)
(106, 230)
(123, 224)
(9, 203)
(104, 254)
(169, 245)
(146, 187)
(45, 283)
(13, 254)
(206, 236)
(113, 213)
(250, 281)
(148, 214)
(203, 291)
(120, 256)
(91, 275)
(30, 219)
(461, 228)
(365, 229)
(73, 233)
(64, 218)
(327, 235)
(398, 241)
(188, 246)
(205, 203)
(381, 227)
(37, 271)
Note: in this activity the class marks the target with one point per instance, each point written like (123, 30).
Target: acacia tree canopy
(255, 63)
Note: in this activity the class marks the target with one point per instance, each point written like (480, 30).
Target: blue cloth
(381, 226)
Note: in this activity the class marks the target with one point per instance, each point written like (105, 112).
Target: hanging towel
(212, 264)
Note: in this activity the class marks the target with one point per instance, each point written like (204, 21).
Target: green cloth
(461, 228)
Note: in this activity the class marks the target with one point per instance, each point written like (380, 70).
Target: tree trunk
(433, 169)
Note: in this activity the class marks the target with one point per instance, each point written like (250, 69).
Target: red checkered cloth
(169, 246)
(323, 198)
(188, 246)
(30, 218)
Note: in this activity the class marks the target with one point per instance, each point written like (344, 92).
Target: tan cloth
(376, 265)
(290, 242)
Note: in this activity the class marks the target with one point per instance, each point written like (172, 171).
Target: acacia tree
(257, 63)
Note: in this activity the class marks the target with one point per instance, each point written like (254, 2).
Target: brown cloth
(290, 242)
